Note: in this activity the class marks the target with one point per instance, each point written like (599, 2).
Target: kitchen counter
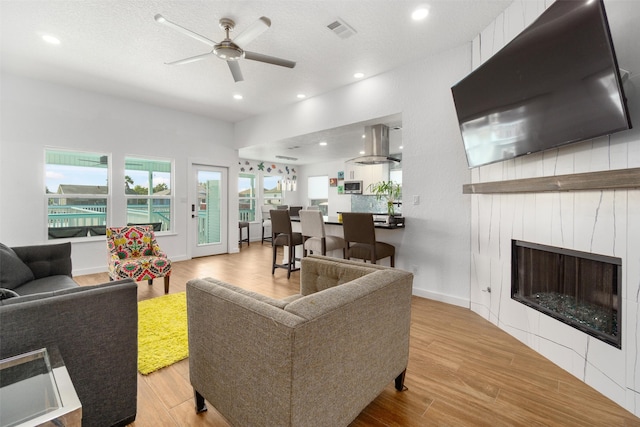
(387, 233)
(333, 220)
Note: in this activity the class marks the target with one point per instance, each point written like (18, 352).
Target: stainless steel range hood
(376, 146)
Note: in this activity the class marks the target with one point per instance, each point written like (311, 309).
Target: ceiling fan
(229, 50)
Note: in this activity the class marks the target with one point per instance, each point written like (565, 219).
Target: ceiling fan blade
(269, 59)
(162, 20)
(235, 71)
(190, 59)
(252, 31)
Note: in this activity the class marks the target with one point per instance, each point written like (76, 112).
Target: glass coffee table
(36, 390)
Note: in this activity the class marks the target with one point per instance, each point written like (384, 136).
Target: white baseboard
(461, 302)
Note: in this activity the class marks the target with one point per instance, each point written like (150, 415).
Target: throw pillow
(13, 272)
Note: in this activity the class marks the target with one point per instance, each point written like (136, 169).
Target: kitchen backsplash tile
(362, 203)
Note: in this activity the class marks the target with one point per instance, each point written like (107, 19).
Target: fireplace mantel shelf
(604, 180)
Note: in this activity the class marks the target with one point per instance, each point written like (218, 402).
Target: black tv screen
(556, 83)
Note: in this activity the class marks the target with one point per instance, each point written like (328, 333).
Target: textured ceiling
(116, 47)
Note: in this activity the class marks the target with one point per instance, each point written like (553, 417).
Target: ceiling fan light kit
(229, 50)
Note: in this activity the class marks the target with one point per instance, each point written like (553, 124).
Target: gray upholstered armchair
(315, 359)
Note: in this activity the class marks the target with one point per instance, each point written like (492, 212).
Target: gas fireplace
(580, 289)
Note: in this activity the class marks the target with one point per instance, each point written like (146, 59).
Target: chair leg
(166, 284)
(393, 261)
(400, 381)
(200, 405)
(273, 263)
(150, 281)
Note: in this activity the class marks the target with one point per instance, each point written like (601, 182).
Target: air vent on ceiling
(341, 29)
(286, 158)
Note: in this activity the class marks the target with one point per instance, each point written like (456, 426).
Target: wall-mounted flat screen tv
(556, 83)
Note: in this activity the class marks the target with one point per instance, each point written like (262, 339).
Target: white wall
(36, 115)
(435, 242)
(604, 222)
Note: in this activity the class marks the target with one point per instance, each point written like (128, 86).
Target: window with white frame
(318, 192)
(272, 190)
(148, 192)
(247, 197)
(77, 193)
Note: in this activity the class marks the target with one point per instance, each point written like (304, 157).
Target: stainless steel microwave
(353, 187)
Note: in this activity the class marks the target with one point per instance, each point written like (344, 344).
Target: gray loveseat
(28, 270)
(93, 328)
(316, 359)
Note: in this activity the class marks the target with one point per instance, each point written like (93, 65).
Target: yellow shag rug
(162, 332)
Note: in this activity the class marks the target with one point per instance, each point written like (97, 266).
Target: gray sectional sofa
(93, 328)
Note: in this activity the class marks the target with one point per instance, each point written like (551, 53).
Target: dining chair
(293, 210)
(314, 236)
(360, 235)
(266, 221)
(283, 235)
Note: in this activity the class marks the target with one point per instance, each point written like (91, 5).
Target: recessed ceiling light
(50, 39)
(364, 136)
(358, 75)
(323, 143)
(301, 96)
(401, 147)
(237, 96)
(362, 152)
(420, 13)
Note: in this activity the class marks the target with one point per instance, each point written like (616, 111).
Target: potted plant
(390, 191)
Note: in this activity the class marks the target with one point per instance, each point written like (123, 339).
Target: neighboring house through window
(247, 197)
(272, 190)
(77, 192)
(148, 192)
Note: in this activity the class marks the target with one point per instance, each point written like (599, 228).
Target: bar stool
(314, 237)
(360, 234)
(241, 225)
(282, 235)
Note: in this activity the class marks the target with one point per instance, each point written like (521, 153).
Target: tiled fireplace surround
(605, 222)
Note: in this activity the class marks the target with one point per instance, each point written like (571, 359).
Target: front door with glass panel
(209, 211)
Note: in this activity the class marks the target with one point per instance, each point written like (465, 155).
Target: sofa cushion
(46, 260)
(47, 284)
(263, 298)
(13, 272)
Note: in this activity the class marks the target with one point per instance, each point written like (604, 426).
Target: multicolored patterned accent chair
(134, 253)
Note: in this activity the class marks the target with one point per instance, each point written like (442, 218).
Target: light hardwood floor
(463, 370)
